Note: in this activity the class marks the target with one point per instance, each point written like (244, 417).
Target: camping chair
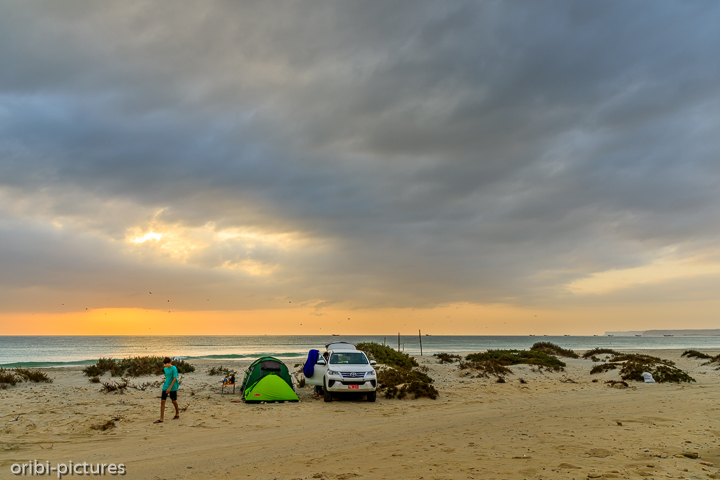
(227, 383)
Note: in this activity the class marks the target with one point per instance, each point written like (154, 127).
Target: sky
(480, 167)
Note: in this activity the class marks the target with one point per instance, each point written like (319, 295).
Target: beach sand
(546, 428)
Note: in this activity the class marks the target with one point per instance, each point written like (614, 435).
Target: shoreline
(234, 358)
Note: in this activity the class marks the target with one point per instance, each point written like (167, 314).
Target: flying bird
(150, 293)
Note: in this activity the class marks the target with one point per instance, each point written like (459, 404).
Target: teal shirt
(170, 373)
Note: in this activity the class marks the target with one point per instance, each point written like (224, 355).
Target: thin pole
(398, 341)
(420, 337)
(384, 341)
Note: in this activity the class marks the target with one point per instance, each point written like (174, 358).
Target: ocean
(44, 351)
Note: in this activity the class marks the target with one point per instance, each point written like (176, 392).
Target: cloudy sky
(511, 167)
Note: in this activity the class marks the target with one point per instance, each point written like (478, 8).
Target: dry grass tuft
(225, 372)
(617, 383)
(115, 387)
(109, 425)
(144, 386)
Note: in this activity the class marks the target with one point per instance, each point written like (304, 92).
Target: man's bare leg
(162, 411)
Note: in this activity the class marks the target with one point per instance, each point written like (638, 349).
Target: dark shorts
(173, 395)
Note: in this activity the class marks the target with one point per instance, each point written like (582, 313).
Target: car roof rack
(340, 346)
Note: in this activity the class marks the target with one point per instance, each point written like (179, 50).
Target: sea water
(36, 351)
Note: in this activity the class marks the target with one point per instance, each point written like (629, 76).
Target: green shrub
(92, 371)
(599, 351)
(496, 362)
(486, 367)
(517, 357)
(7, 378)
(17, 375)
(447, 357)
(387, 356)
(399, 383)
(134, 367)
(633, 365)
(695, 354)
(32, 375)
(662, 372)
(394, 376)
(604, 367)
(552, 349)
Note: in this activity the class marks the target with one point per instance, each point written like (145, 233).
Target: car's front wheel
(327, 396)
(371, 396)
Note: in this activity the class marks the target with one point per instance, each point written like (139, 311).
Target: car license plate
(353, 386)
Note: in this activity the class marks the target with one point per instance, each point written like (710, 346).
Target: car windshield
(349, 358)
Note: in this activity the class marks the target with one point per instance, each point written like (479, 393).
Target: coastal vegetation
(593, 353)
(387, 355)
(10, 377)
(695, 354)
(552, 349)
(115, 387)
(497, 362)
(713, 361)
(633, 365)
(447, 357)
(400, 376)
(224, 371)
(134, 367)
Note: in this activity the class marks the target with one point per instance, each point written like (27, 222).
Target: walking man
(170, 387)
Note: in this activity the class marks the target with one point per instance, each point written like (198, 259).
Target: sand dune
(477, 428)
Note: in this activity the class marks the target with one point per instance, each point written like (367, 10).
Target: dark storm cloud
(432, 152)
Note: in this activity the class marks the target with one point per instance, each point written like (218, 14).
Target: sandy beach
(557, 425)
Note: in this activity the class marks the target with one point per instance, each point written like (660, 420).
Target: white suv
(347, 370)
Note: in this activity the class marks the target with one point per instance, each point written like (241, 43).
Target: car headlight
(371, 373)
(333, 372)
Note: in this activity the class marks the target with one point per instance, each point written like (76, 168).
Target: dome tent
(267, 379)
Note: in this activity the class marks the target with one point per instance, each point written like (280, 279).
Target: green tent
(268, 380)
